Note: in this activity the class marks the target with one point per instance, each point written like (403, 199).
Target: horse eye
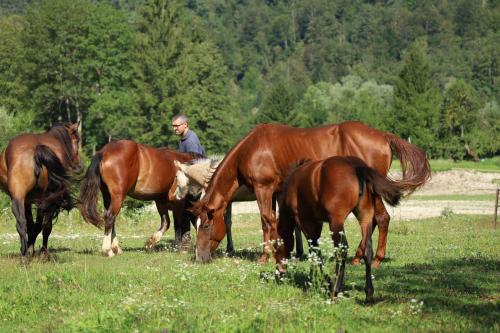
(205, 225)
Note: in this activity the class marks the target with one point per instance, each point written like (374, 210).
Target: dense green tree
(416, 99)
(459, 115)
(278, 104)
(179, 71)
(13, 91)
(74, 52)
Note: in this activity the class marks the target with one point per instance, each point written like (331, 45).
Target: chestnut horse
(38, 169)
(328, 190)
(142, 172)
(193, 178)
(261, 161)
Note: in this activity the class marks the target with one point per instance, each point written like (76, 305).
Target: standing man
(189, 143)
(189, 140)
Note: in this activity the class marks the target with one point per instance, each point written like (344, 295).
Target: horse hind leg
(365, 218)
(164, 225)
(110, 245)
(380, 219)
(19, 212)
(340, 247)
(33, 229)
(47, 230)
(115, 245)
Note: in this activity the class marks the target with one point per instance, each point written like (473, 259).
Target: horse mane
(223, 172)
(60, 132)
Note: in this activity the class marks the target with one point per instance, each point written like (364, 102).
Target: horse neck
(224, 181)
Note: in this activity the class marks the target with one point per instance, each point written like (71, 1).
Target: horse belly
(243, 193)
(148, 190)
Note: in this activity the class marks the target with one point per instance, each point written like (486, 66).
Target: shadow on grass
(467, 287)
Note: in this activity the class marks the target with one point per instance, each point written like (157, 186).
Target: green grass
(441, 275)
(486, 165)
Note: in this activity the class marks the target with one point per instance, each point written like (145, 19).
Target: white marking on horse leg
(106, 245)
(115, 246)
(198, 223)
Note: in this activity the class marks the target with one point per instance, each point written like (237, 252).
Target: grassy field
(441, 275)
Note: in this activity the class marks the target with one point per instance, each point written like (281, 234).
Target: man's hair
(180, 116)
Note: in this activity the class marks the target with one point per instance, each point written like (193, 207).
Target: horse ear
(74, 127)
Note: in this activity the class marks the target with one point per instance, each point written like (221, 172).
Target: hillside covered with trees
(428, 71)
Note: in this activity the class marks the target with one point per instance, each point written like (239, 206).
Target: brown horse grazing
(261, 161)
(38, 169)
(142, 172)
(328, 190)
(193, 178)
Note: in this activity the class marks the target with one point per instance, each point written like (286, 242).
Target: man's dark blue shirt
(191, 144)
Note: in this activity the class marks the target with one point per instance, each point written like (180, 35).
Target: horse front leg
(161, 206)
(229, 223)
(268, 220)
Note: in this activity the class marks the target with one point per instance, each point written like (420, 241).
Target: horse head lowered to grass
(262, 159)
(193, 178)
(39, 169)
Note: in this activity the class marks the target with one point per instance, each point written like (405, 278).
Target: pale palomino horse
(193, 177)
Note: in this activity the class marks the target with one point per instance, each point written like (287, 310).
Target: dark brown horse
(261, 161)
(38, 169)
(328, 190)
(142, 172)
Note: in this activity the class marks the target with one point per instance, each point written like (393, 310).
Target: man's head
(180, 124)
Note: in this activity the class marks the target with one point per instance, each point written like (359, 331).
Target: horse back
(269, 150)
(316, 189)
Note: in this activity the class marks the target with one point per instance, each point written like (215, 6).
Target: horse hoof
(262, 259)
(31, 251)
(44, 253)
(108, 253)
(356, 261)
(376, 263)
(117, 250)
(24, 260)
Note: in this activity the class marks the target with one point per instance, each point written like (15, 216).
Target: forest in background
(425, 70)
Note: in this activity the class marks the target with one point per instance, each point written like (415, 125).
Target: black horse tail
(414, 162)
(391, 191)
(58, 192)
(89, 192)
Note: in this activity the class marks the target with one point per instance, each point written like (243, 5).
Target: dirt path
(442, 183)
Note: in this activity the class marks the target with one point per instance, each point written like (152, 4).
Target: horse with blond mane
(262, 159)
